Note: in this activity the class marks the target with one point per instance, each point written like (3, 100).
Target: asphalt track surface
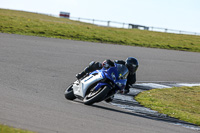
(35, 71)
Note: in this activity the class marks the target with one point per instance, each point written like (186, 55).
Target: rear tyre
(69, 94)
(96, 96)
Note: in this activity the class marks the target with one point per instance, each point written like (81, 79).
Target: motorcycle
(99, 85)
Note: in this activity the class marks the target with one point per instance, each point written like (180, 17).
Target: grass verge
(178, 102)
(26, 23)
(7, 129)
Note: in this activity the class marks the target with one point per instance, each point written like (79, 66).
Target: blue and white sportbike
(99, 85)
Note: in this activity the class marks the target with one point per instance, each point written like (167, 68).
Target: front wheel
(69, 94)
(96, 96)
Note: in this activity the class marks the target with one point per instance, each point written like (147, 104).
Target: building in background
(64, 15)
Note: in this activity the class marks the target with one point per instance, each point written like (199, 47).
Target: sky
(171, 14)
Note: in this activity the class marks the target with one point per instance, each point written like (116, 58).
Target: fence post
(108, 23)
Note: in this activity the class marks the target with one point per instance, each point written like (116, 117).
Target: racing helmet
(132, 64)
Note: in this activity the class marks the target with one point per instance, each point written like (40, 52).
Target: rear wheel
(96, 95)
(69, 94)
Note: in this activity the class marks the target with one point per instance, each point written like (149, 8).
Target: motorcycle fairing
(99, 85)
(106, 73)
(82, 86)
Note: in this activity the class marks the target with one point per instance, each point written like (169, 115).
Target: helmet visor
(132, 68)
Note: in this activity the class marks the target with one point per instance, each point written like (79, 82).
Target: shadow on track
(139, 114)
(164, 119)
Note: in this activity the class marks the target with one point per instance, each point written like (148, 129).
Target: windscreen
(123, 71)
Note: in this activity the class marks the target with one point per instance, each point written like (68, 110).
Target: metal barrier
(131, 26)
(127, 25)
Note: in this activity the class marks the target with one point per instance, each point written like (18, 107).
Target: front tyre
(69, 94)
(96, 96)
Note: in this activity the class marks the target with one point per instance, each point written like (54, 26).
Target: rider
(131, 63)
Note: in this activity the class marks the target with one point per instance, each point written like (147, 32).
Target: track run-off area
(128, 102)
(35, 71)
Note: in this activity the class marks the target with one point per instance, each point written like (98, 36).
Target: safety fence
(131, 26)
(126, 25)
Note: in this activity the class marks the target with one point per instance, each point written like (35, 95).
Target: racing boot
(110, 99)
(80, 75)
(127, 89)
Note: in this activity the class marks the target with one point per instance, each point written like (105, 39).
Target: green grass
(7, 129)
(26, 23)
(179, 102)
